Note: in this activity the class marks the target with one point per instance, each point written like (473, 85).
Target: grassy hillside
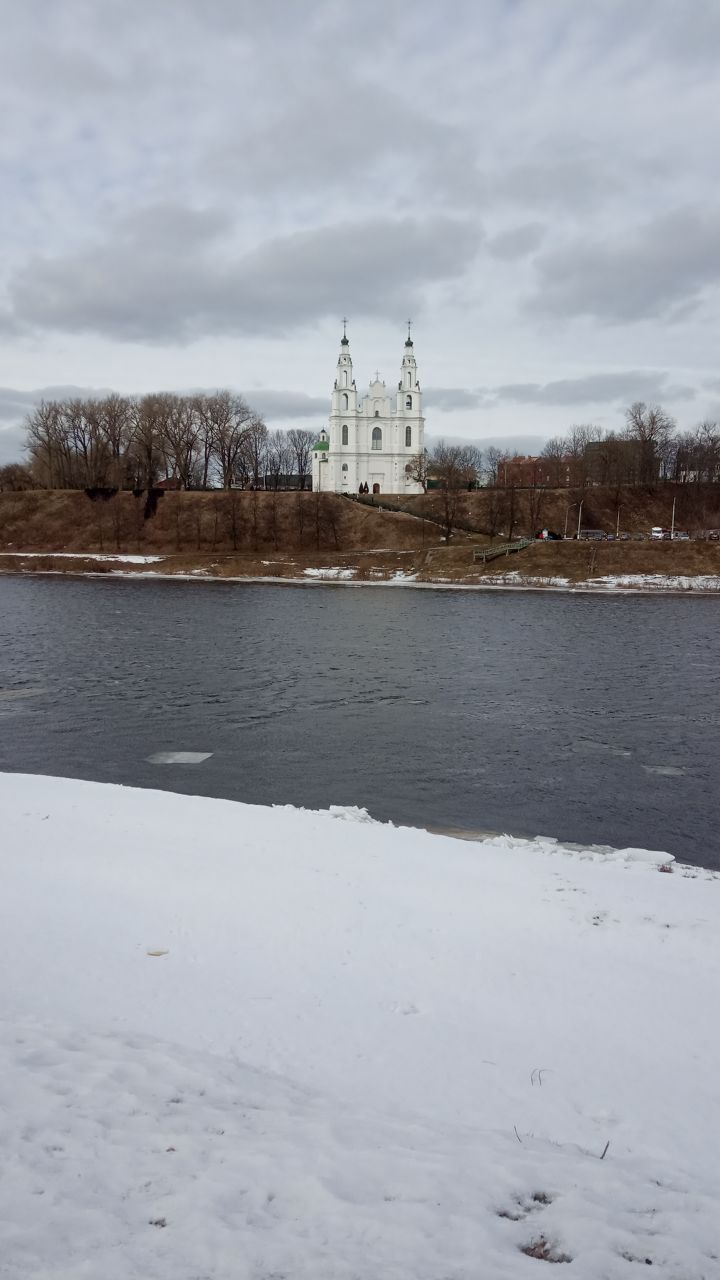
(67, 520)
(491, 510)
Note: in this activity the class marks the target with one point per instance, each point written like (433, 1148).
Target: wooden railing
(482, 554)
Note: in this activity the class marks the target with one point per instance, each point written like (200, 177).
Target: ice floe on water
(251, 1042)
(179, 757)
(666, 770)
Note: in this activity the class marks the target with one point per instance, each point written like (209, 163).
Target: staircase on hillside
(481, 555)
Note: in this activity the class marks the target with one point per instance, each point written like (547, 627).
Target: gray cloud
(449, 398)
(15, 404)
(172, 171)
(517, 242)
(287, 404)
(596, 388)
(12, 440)
(168, 273)
(660, 266)
(513, 442)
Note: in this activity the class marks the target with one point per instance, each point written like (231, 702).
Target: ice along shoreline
(346, 576)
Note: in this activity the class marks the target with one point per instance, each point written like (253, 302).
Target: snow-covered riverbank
(240, 1042)
(290, 574)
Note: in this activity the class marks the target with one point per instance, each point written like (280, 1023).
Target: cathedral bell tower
(344, 398)
(408, 392)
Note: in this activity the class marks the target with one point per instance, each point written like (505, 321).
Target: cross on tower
(344, 326)
(377, 375)
(409, 325)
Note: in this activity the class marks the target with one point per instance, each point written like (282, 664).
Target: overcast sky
(194, 194)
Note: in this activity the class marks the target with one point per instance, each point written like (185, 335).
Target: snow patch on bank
(252, 1042)
(84, 555)
(330, 573)
(611, 582)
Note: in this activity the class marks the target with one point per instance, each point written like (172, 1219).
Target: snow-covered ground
(249, 1043)
(513, 578)
(610, 582)
(84, 555)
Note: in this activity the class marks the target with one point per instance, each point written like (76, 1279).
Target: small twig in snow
(517, 1135)
(607, 1144)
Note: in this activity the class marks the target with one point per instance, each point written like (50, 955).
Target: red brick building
(527, 472)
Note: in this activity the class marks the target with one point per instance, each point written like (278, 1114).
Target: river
(592, 719)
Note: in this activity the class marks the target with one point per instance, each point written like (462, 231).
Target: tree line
(217, 440)
(650, 448)
(203, 441)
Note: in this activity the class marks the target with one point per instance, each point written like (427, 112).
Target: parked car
(657, 532)
(680, 536)
(592, 535)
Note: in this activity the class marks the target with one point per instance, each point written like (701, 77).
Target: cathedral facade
(371, 439)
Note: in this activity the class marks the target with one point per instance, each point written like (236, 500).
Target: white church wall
(351, 458)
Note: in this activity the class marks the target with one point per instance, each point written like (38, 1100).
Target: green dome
(322, 444)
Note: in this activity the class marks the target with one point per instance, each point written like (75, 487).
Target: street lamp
(580, 516)
(568, 509)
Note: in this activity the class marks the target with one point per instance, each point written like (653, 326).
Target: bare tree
(650, 426)
(493, 458)
(536, 502)
(555, 453)
(14, 478)
(280, 457)
(576, 443)
(48, 447)
(115, 417)
(232, 419)
(149, 419)
(456, 468)
(255, 449)
(301, 443)
(181, 440)
(418, 468)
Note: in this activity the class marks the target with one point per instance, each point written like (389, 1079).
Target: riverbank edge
(571, 588)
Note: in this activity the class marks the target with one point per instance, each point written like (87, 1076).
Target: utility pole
(672, 522)
(617, 525)
(580, 516)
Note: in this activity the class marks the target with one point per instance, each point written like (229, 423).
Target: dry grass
(696, 507)
(65, 520)
(582, 561)
(249, 535)
(544, 1251)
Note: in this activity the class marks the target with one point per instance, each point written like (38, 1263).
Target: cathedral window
(345, 432)
(377, 438)
(344, 466)
(408, 437)
(346, 400)
(377, 413)
(408, 402)
(344, 377)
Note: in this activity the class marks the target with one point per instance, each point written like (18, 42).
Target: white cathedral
(371, 439)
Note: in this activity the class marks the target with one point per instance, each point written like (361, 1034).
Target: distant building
(616, 461)
(371, 439)
(528, 472)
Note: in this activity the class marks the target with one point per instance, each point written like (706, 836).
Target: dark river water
(591, 719)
